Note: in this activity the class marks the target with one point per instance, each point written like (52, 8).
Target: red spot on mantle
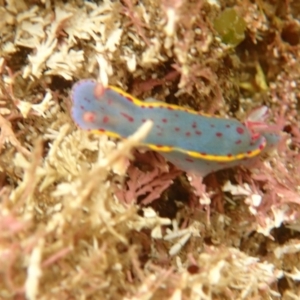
(165, 120)
(129, 118)
(219, 134)
(129, 99)
(239, 130)
(105, 119)
(89, 117)
(188, 133)
(189, 159)
(198, 132)
(194, 125)
(177, 129)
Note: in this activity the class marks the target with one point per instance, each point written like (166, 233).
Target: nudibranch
(192, 141)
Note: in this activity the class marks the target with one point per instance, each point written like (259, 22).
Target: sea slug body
(192, 141)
